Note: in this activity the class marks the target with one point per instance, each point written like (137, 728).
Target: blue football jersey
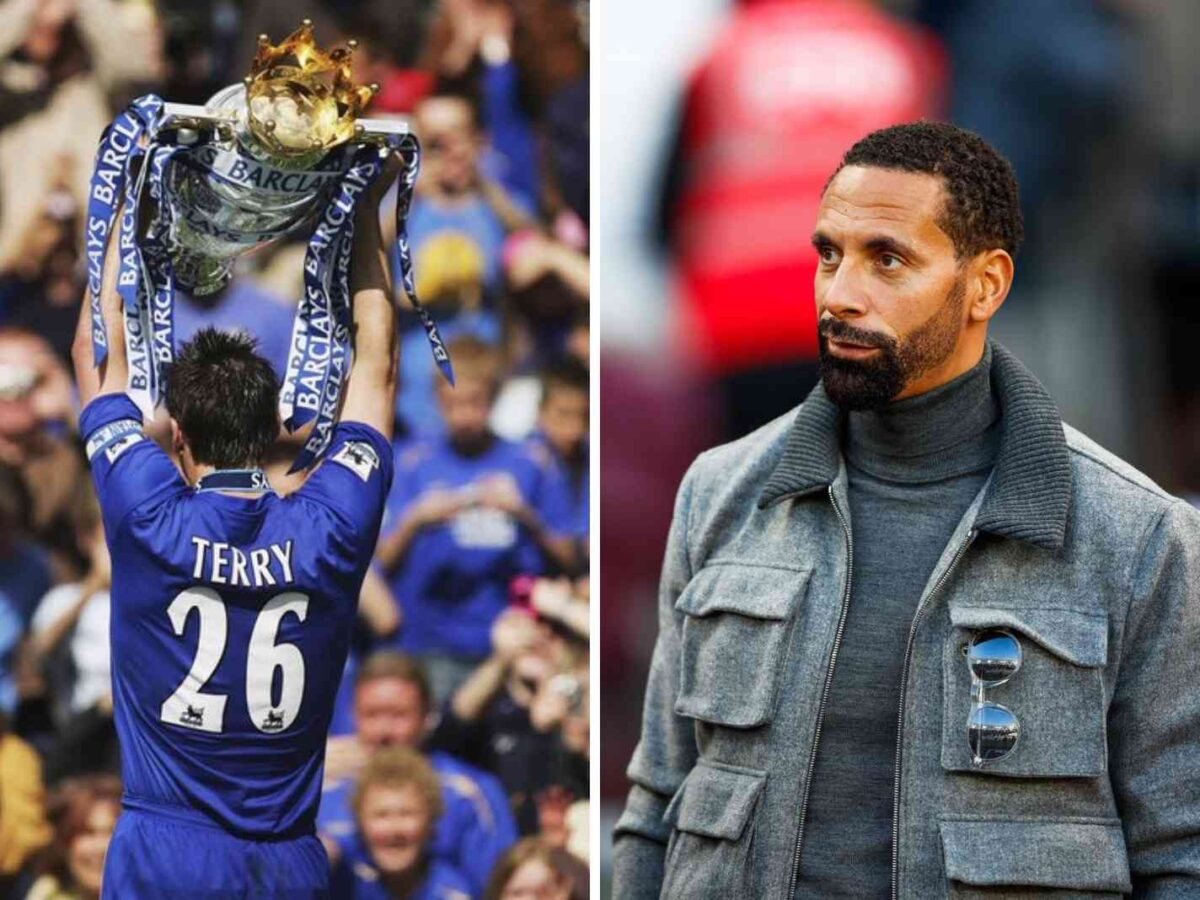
(231, 619)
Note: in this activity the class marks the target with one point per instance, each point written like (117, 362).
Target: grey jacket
(1093, 566)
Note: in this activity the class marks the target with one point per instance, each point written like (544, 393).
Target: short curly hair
(983, 206)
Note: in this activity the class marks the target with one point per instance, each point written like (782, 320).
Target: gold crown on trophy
(302, 99)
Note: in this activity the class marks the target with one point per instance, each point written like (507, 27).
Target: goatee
(873, 383)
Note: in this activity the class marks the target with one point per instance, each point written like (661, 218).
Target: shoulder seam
(1152, 489)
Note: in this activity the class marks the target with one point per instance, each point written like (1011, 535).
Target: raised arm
(113, 373)
(371, 389)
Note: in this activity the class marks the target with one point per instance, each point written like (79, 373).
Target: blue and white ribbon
(404, 196)
(159, 268)
(320, 353)
(318, 361)
(119, 146)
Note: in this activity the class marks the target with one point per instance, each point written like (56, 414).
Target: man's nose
(844, 296)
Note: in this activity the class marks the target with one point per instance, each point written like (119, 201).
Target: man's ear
(176, 437)
(993, 270)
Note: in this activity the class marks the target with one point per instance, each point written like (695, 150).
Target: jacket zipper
(912, 633)
(837, 642)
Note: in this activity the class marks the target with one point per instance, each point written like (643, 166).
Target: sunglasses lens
(994, 657)
(992, 732)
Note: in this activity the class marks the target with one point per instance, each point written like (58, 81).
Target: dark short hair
(983, 206)
(392, 664)
(225, 397)
(564, 372)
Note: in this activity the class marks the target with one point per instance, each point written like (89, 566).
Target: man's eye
(828, 254)
(890, 261)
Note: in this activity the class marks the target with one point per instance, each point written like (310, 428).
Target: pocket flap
(716, 800)
(1078, 855)
(1074, 635)
(761, 592)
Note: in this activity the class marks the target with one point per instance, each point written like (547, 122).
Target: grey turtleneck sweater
(914, 467)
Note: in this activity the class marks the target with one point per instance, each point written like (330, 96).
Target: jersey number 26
(191, 707)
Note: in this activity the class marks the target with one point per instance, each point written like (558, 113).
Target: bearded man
(919, 638)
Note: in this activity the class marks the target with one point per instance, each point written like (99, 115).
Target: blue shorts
(155, 856)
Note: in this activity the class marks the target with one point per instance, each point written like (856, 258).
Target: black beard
(873, 383)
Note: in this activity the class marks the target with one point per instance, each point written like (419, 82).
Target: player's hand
(373, 196)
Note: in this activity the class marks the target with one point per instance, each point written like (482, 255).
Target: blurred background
(492, 707)
(722, 120)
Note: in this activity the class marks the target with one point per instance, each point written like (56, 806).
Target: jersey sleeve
(353, 482)
(129, 469)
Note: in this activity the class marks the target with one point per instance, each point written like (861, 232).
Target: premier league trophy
(283, 152)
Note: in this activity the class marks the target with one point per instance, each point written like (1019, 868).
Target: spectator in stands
(392, 709)
(37, 418)
(84, 813)
(41, 284)
(459, 219)
(457, 228)
(61, 62)
(467, 514)
(470, 46)
(562, 433)
(24, 579)
(548, 284)
(533, 869)
(23, 826)
(396, 803)
(508, 717)
(69, 644)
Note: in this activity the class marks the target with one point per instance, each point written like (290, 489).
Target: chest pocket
(738, 621)
(1057, 695)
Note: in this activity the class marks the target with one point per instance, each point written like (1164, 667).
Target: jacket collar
(1030, 491)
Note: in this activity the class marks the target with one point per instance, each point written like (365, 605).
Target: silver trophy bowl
(215, 218)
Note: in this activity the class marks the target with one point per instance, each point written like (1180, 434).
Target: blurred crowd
(1091, 100)
(458, 757)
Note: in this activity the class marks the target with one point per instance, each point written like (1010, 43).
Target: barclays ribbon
(319, 362)
(159, 269)
(133, 156)
(114, 156)
(404, 196)
(131, 285)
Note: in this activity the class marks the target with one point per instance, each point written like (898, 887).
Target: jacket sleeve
(1154, 718)
(667, 750)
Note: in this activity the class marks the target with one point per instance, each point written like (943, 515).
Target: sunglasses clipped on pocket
(993, 657)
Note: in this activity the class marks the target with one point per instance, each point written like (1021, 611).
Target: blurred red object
(400, 91)
(520, 594)
(788, 87)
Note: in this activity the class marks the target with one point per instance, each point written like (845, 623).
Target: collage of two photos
(850, 549)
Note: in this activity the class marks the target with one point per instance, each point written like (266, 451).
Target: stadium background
(715, 113)
(499, 91)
